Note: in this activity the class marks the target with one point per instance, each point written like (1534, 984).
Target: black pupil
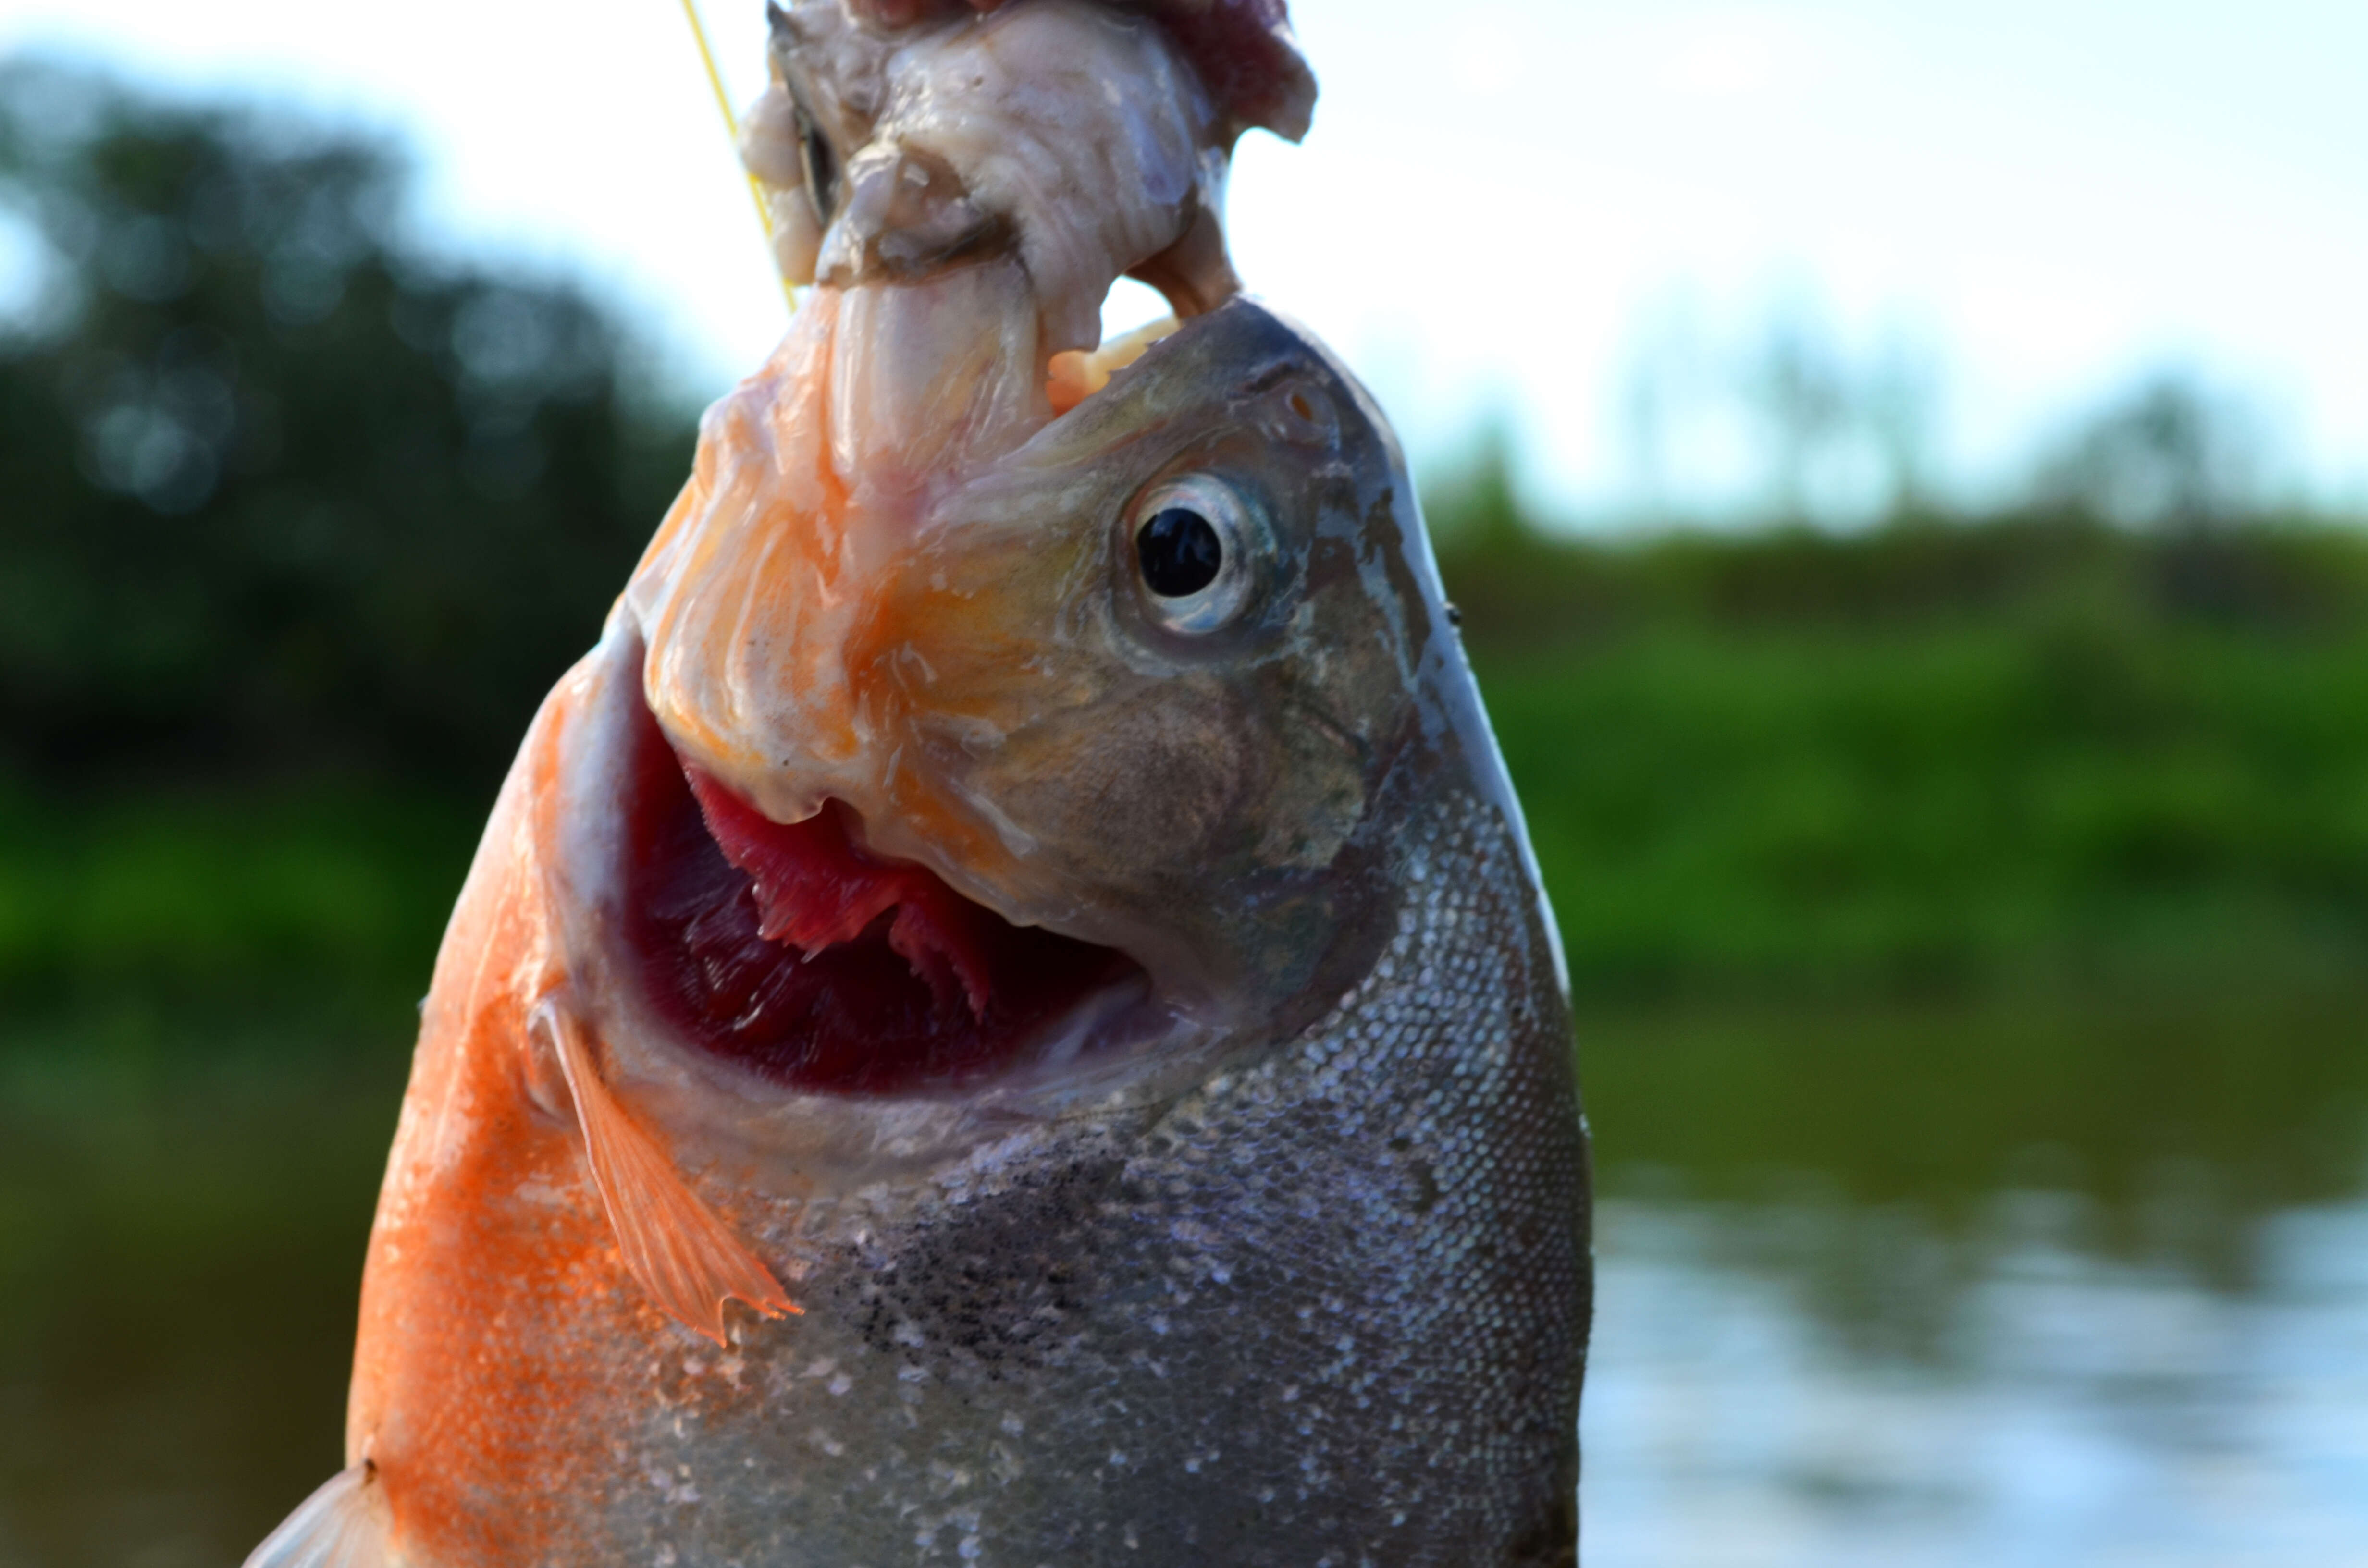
(1180, 552)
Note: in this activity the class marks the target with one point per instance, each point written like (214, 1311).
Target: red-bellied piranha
(1004, 1014)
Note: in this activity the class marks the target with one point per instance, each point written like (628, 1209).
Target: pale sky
(1504, 201)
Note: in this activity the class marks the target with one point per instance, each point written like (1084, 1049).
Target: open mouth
(792, 950)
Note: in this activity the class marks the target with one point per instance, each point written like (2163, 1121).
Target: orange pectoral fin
(687, 1259)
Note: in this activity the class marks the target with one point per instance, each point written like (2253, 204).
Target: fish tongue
(931, 376)
(814, 890)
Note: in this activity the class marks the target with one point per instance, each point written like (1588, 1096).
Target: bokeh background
(1905, 474)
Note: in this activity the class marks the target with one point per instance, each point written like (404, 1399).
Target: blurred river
(2080, 1411)
(1897, 1292)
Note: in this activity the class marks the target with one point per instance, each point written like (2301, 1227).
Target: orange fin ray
(684, 1257)
(341, 1525)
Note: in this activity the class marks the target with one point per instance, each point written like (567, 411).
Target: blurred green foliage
(284, 490)
(227, 899)
(1946, 755)
(2064, 797)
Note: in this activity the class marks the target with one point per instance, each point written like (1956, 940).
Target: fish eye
(1197, 553)
(821, 166)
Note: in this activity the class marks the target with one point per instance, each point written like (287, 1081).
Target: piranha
(1004, 1013)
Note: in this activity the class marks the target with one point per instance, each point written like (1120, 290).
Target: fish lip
(1113, 1051)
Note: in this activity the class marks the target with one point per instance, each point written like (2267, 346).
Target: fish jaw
(811, 482)
(753, 985)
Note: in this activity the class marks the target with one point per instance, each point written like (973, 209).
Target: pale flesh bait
(1003, 1014)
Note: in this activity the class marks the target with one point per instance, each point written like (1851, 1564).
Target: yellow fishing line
(732, 130)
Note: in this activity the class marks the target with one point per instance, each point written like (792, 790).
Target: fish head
(1141, 683)
(1151, 670)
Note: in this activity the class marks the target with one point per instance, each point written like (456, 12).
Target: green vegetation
(226, 901)
(285, 490)
(1946, 757)
(2060, 792)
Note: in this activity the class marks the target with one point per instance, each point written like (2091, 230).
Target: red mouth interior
(793, 950)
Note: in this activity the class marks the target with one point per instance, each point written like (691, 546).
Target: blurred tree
(1802, 393)
(2168, 453)
(1902, 399)
(282, 491)
(1474, 508)
(1785, 420)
